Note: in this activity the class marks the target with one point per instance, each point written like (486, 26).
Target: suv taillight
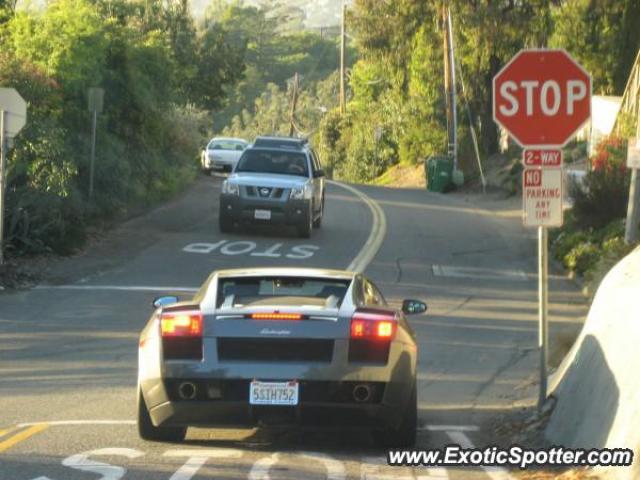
(181, 332)
(371, 335)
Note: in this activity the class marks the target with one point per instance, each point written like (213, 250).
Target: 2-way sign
(542, 97)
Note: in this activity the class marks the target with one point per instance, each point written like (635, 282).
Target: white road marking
(449, 428)
(482, 273)
(232, 248)
(376, 236)
(370, 470)
(109, 472)
(125, 288)
(301, 252)
(197, 458)
(260, 469)
(335, 468)
(434, 474)
(496, 473)
(269, 252)
(246, 247)
(203, 247)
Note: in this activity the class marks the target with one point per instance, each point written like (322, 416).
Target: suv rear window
(282, 291)
(279, 162)
(227, 145)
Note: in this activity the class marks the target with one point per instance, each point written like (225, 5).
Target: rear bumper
(241, 414)
(218, 165)
(328, 404)
(242, 210)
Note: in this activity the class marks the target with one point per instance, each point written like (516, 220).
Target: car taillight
(181, 324)
(275, 316)
(373, 326)
(371, 335)
(181, 333)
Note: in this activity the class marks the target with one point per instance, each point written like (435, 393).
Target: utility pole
(633, 207)
(95, 97)
(294, 103)
(343, 35)
(3, 156)
(450, 84)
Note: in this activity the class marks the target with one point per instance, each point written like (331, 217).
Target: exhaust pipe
(187, 391)
(361, 393)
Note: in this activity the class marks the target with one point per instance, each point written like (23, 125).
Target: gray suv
(277, 181)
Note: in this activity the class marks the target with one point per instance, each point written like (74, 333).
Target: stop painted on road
(247, 247)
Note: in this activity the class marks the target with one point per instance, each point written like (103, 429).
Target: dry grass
(403, 176)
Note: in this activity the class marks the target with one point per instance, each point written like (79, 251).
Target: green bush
(602, 198)
(582, 257)
(566, 242)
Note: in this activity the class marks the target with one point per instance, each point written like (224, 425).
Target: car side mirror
(413, 307)
(318, 173)
(160, 302)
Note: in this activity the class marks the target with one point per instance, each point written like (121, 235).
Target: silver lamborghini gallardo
(283, 346)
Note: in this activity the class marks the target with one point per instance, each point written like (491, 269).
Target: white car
(222, 154)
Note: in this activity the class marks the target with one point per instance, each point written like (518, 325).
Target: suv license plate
(273, 393)
(262, 214)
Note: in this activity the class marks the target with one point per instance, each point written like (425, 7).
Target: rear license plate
(273, 393)
(262, 214)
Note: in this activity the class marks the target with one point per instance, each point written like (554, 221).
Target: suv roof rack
(280, 142)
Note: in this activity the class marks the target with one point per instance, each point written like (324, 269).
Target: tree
(603, 36)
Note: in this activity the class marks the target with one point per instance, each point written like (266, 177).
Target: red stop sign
(542, 97)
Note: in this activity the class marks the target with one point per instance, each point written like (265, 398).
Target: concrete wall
(598, 384)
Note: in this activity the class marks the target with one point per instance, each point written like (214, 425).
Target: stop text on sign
(547, 98)
(542, 197)
(542, 157)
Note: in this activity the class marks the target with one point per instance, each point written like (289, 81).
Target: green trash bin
(439, 172)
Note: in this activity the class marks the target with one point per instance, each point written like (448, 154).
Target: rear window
(279, 162)
(227, 145)
(281, 291)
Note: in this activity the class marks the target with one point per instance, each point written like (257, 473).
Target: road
(68, 346)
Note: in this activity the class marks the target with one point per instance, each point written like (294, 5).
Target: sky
(320, 13)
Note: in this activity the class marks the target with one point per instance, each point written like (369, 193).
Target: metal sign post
(633, 207)
(96, 102)
(543, 302)
(3, 155)
(93, 152)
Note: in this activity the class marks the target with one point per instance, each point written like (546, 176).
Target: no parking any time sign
(542, 197)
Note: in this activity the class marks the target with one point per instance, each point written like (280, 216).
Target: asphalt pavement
(68, 347)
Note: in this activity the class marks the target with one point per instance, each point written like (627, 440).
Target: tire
(304, 229)
(405, 435)
(317, 223)
(148, 431)
(225, 223)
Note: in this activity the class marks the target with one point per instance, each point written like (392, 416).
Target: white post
(343, 34)
(633, 207)
(3, 156)
(93, 152)
(543, 327)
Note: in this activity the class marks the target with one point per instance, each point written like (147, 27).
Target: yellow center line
(21, 436)
(4, 431)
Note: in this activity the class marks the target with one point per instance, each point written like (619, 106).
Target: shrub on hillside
(604, 193)
(582, 257)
